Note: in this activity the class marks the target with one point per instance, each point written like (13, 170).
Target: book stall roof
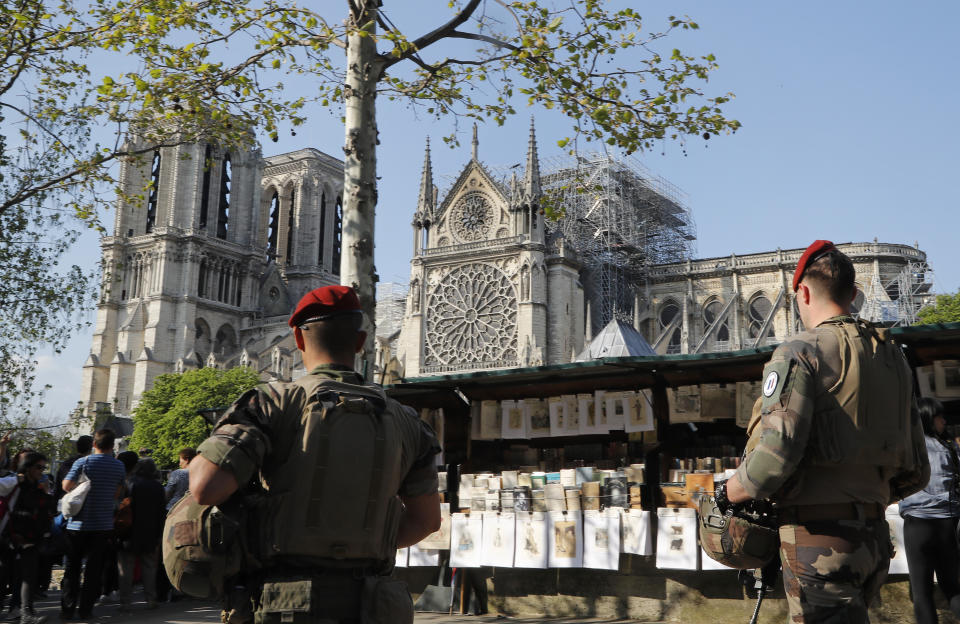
(925, 342)
(937, 341)
(604, 373)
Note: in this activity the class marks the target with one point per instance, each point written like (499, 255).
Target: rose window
(472, 319)
(473, 218)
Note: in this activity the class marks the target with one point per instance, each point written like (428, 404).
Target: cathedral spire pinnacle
(425, 200)
(531, 176)
(476, 144)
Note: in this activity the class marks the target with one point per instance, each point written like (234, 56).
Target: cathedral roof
(617, 339)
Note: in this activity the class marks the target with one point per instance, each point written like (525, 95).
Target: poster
(497, 546)
(611, 412)
(718, 401)
(635, 536)
(530, 546)
(677, 547)
(440, 540)
(640, 417)
(464, 491)
(402, 555)
(619, 407)
(601, 539)
(423, 556)
(684, 404)
(512, 421)
(555, 407)
(946, 378)
(747, 394)
(465, 535)
(536, 418)
(571, 414)
(490, 414)
(565, 540)
(925, 381)
(586, 404)
(898, 563)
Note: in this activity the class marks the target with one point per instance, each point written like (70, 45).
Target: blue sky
(849, 134)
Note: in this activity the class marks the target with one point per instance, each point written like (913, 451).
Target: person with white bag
(91, 526)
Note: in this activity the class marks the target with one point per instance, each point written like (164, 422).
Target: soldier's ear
(361, 338)
(298, 336)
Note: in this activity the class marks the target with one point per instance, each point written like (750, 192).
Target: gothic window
(202, 279)
(223, 211)
(473, 320)
(337, 236)
(154, 191)
(472, 218)
(225, 344)
(201, 341)
(711, 312)
(273, 226)
(205, 187)
(323, 227)
(668, 312)
(757, 312)
(293, 203)
(239, 294)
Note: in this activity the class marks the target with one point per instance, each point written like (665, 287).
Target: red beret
(814, 252)
(321, 303)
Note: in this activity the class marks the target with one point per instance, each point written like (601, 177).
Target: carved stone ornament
(472, 218)
(473, 319)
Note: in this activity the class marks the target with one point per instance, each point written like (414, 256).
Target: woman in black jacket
(29, 528)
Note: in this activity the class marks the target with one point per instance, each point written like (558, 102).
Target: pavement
(191, 611)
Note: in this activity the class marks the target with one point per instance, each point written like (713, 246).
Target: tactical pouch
(303, 600)
(386, 601)
(202, 547)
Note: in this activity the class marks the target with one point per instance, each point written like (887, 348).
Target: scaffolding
(621, 219)
(896, 292)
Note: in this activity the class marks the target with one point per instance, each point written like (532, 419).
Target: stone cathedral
(494, 285)
(205, 271)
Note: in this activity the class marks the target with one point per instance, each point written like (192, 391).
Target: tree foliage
(164, 72)
(26, 431)
(167, 420)
(946, 309)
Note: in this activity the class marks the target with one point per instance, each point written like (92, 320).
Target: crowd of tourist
(107, 547)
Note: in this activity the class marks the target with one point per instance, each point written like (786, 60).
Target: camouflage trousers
(832, 571)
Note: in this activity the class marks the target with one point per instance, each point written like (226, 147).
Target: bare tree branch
(434, 36)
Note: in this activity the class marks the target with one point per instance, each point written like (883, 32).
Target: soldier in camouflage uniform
(839, 441)
(334, 517)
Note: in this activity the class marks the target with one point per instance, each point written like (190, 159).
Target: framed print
(677, 546)
(565, 547)
(530, 545)
(466, 532)
(497, 548)
(601, 539)
(512, 420)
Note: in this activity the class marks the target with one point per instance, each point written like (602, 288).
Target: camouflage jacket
(255, 434)
(838, 421)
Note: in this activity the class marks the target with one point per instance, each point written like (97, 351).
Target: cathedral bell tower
(205, 269)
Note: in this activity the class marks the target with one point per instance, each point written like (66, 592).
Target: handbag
(72, 501)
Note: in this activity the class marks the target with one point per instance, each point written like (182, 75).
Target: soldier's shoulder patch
(775, 376)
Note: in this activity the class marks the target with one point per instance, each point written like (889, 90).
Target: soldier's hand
(5, 440)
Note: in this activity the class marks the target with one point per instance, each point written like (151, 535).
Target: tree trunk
(360, 170)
